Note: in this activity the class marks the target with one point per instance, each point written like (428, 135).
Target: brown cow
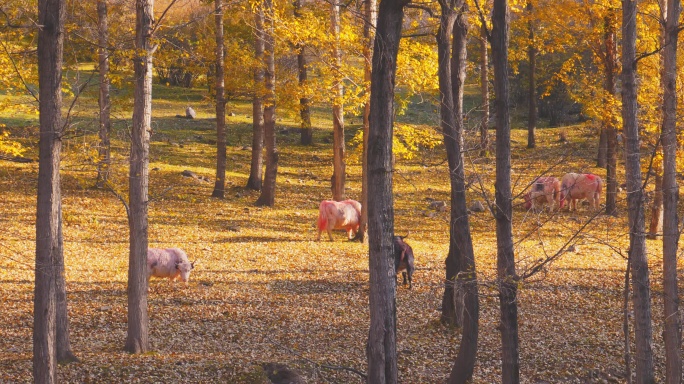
(545, 190)
(577, 186)
(339, 215)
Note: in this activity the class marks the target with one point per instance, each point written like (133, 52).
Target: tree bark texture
(508, 279)
(484, 92)
(137, 340)
(104, 101)
(306, 132)
(339, 165)
(49, 247)
(532, 91)
(673, 328)
(370, 13)
(220, 185)
(63, 343)
(256, 168)
(267, 197)
(461, 243)
(381, 348)
(641, 296)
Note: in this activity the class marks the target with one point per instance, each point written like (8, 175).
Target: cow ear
(177, 264)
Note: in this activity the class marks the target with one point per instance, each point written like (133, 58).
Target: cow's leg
(350, 234)
(329, 234)
(318, 238)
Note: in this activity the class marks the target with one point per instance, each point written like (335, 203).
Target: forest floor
(264, 291)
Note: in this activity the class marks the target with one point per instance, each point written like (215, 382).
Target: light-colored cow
(339, 215)
(577, 186)
(545, 190)
(169, 262)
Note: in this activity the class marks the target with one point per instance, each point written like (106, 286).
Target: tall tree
(370, 21)
(450, 130)
(256, 169)
(381, 348)
(506, 274)
(609, 124)
(461, 243)
(104, 100)
(306, 132)
(656, 221)
(532, 92)
(267, 197)
(484, 91)
(641, 287)
(137, 339)
(673, 326)
(49, 246)
(339, 166)
(220, 185)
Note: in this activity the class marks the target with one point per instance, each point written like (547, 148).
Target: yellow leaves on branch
(408, 140)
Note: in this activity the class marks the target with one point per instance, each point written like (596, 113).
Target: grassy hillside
(264, 291)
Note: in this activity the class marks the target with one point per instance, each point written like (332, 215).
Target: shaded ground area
(264, 292)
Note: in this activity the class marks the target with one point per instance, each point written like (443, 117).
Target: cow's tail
(557, 192)
(599, 188)
(322, 218)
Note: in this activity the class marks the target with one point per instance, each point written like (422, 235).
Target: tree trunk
(306, 132)
(370, 11)
(601, 157)
(220, 185)
(64, 353)
(532, 92)
(635, 201)
(484, 92)
(104, 156)
(381, 348)
(452, 314)
(461, 244)
(608, 140)
(267, 197)
(339, 166)
(49, 246)
(256, 170)
(656, 223)
(673, 328)
(611, 171)
(508, 279)
(138, 321)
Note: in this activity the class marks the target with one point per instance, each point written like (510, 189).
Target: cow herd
(173, 263)
(547, 190)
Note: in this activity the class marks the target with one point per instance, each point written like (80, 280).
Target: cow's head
(528, 201)
(184, 267)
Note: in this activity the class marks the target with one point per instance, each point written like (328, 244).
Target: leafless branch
(319, 365)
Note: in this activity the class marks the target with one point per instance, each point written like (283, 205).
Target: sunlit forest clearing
(263, 291)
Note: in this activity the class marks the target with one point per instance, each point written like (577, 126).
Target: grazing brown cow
(339, 215)
(545, 190)
(577, 186)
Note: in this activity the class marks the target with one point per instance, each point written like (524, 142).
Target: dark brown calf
(403, 259)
